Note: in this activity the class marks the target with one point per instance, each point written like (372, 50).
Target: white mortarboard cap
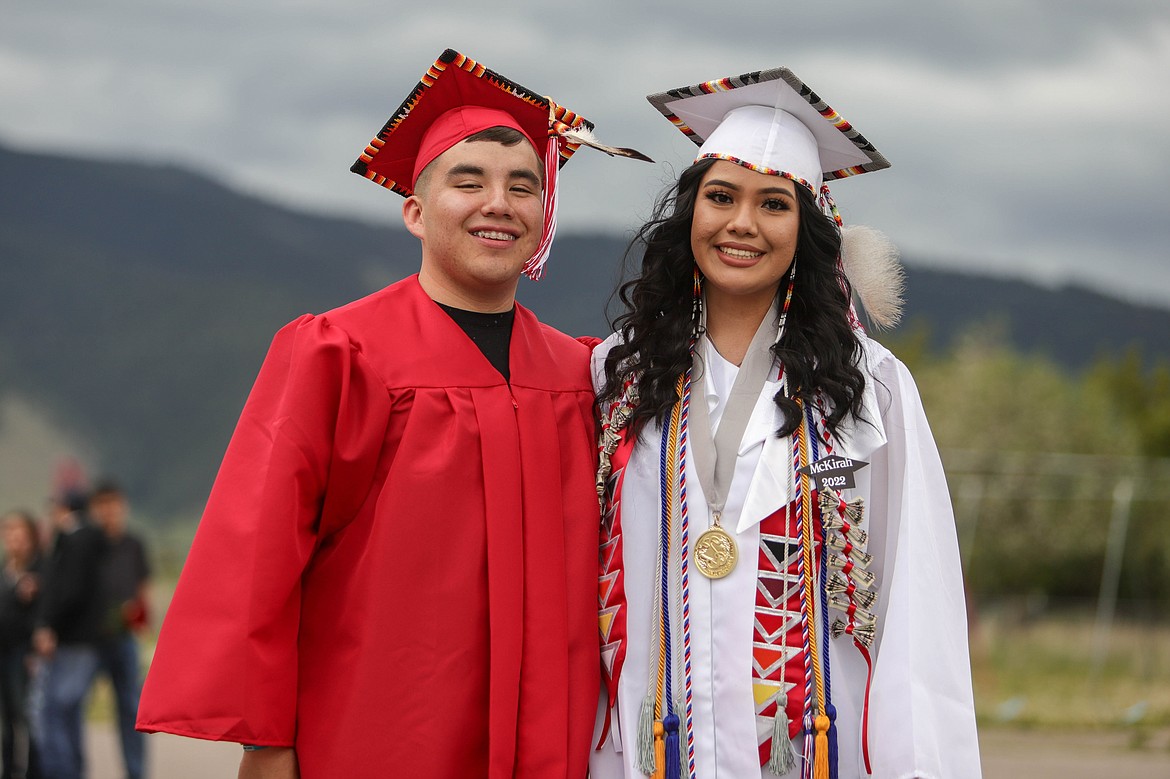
(770, 121)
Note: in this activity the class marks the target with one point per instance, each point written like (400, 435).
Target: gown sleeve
(921, 715)
(299, 465)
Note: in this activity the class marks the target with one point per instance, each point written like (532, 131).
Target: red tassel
(534, 268)
(865, 708)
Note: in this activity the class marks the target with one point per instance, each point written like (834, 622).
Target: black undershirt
(490, 332)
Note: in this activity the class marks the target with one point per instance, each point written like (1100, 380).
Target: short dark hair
(508, 136)
(107, 488)
(505, 136)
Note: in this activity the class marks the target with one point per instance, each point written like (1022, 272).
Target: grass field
(1051, 698)
(1032, 670)
(1058, 672)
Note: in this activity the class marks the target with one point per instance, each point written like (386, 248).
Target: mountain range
(137, 301)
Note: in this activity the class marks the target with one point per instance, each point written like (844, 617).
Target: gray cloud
(1026, 136)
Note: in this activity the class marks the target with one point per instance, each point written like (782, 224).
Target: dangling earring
(787, 298)
(696, 304)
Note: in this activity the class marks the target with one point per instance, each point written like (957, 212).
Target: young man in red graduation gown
(396, 571)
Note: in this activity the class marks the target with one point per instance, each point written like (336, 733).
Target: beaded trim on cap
(560, 118)
(762, 169)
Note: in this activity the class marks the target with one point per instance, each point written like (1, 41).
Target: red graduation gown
(396, 570)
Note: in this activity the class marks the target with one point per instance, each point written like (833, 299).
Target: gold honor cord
(821, 720)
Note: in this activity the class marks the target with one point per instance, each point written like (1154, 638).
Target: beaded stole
(800, 577)
(615, 449)
(811, 559)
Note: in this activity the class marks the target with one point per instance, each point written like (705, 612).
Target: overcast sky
(1028, 137)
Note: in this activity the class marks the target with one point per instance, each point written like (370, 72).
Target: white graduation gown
(921, 711)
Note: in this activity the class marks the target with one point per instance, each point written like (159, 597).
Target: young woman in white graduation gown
(780, 588)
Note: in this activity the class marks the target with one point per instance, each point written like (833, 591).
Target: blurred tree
(1141, 394)
(1033, 452)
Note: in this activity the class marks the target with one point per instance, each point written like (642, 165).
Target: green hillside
(137, 302)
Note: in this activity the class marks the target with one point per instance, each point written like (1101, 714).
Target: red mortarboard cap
(456, 98)
(456, 81)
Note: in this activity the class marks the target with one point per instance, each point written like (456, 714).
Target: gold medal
(715, 552)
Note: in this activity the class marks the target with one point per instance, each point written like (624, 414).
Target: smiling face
(479, 216)
(744, 233)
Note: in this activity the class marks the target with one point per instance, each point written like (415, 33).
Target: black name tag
(833, 472)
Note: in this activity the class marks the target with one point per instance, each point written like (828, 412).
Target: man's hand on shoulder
(269, 763)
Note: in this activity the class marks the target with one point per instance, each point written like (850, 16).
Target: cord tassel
(644, 756)
(783, 757)
(821, 748)
(832, 712)
(807, 753)
(659, 751)
(671, 749)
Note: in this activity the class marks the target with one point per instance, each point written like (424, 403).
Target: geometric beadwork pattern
(777, 654)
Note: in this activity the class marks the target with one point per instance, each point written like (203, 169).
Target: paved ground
(1006, 755)
(1024, 755)
(169, 757)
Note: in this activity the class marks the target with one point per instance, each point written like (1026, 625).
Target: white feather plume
(871, 263)
(583, 135)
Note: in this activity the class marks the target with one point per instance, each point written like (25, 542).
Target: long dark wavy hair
(819, 349)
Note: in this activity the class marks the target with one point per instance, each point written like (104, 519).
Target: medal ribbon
(715, 456)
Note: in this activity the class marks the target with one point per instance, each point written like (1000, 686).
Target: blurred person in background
(125, 578)
(19, 589)
(65, 637)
